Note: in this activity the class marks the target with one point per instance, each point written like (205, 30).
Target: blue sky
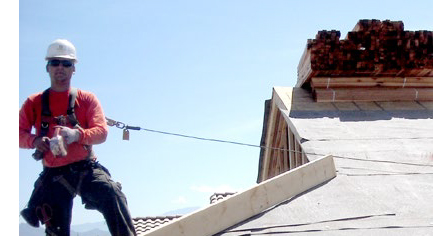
(202, 68)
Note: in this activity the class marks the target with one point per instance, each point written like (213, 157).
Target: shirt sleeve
(97, 129)
(27, 119)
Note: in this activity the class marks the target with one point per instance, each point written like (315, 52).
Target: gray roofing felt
(384, 183)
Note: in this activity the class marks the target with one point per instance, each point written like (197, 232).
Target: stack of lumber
(377, 61)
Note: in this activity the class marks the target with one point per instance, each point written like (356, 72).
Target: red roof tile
(219, 196)
(142, 225)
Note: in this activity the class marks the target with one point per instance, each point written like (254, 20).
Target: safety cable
(126, 128)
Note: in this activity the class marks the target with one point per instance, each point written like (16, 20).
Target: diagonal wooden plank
(239, 207)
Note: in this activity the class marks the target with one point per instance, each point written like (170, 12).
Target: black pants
(55, 189)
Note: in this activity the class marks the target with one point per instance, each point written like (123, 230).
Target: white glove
(57, 146)
(70, 135)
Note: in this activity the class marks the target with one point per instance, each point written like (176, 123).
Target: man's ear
(46, 67)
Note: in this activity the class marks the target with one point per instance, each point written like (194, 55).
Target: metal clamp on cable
(121, 125)
(132, 127)
(118, 124)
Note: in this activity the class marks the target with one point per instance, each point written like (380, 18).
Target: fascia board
(239, 207)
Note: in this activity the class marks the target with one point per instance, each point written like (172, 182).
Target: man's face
(60, 71)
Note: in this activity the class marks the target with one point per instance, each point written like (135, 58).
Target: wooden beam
(279, 143)
(281, 99)
(292, 155)
(285, 146)
(286, 115)
(241, 206)
(305, 72)
(373, 94)
(361, 82)
(298, 154)
(379, 48)
(268, 140)
(275, 143)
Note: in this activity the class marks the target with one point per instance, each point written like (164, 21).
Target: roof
(145, 224)
(383, 153)
(377, 180)
(216, 197)
(380, 133)
(243, 205)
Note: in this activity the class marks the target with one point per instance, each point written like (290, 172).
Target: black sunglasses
(56, 62)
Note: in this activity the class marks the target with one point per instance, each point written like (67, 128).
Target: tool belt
(75, 167)
(71, 168)
(56, 174)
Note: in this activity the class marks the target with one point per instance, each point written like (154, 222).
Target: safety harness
(46, 116)
(44, 212)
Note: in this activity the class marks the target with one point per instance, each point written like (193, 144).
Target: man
(68, 122)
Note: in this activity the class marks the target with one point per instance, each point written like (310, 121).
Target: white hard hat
(61, 48)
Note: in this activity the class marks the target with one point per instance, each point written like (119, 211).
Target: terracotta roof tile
(219, 196)
(142, 225)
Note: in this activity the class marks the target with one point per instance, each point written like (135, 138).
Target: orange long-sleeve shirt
(89, 114)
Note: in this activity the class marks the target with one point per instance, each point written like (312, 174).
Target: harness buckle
(44, 125)
(61, 120)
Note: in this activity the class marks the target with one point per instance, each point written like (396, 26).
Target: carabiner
(120, 125)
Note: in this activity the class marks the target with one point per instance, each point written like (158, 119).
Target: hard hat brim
(62, 57)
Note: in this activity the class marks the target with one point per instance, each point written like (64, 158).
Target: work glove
(57, 146)
(69, 135)
(42, 144)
